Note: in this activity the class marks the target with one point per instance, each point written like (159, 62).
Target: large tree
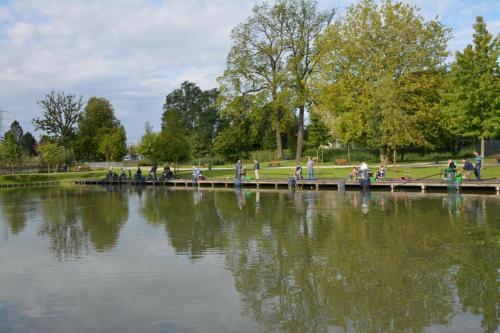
(113, 144)
(10, 149)
(60, 115)
(17, 131)
(256, 65)
(25, 141)
(28, 144)
(52, 154)
(197, 114)
(150, 145)
(96, 124)
(173, 139)
(379, 68)
(303, 25)
(475, 86)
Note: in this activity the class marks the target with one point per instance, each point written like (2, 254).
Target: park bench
(498, 158)
(274, 163)
(341, 161)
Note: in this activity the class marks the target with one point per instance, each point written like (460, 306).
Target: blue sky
(134, 52)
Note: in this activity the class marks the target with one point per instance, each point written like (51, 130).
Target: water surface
(93, 259)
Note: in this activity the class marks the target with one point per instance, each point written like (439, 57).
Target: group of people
(241, 173)
(310, 169)
(452, 172)
(363, 172)
(165, 175)
(138, 177)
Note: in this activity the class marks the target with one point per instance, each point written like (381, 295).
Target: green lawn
(49, 177)
(407, 172)
(265, 172)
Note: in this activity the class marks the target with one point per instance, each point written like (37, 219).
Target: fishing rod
(417, 179)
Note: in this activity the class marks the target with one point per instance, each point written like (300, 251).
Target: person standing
(363, 170)
(310, 167)
(196, 173)
(478, 160)
(238, 170)
(256, 167)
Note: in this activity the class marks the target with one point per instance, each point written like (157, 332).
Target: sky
(134, 52)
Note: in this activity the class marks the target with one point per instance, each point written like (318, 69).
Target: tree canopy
(61, 112)
(379, 67)
(197, 114)
(98, 127)
(474, 100)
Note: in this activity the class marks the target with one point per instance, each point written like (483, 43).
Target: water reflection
(72, 220)
(16, 209)
(192, 224)
(303, 261)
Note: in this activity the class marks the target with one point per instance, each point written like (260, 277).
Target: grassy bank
(50, 177)
(266, 172)
(284, 173)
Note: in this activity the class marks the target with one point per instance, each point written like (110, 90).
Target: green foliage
(198, 116)
(10, 150)
(112, 145)
(17, 143)
(173, 139)
(98, 127)
(318, 133)
(28, 144)
(17, 131)
(474, 99)
(256, 65)
(304, 24)
(51, 154)
(60, 115)
(379, 68)
(149, 146)
(233, 143)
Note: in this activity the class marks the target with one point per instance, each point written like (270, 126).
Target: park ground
(284, 171)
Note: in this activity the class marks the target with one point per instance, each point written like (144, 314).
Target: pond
(95, 259)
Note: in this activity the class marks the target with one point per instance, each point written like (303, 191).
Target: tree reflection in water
(304, 260)
(74, 219)
(17, 208)
(360, 261)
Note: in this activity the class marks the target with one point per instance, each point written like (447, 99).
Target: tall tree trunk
(383, 155)
(482, 147)
(300, 134)
(279, 144)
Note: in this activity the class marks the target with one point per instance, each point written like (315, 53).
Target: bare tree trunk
(482, 147)
(383, 155)
(300, 134)
(279, 144)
